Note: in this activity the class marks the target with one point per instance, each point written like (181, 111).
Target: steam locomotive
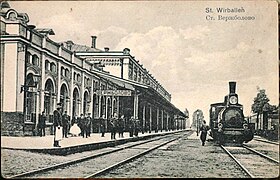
(227, 121)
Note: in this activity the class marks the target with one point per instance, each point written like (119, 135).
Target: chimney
(106, 49)
(93, 41)
(232, 87)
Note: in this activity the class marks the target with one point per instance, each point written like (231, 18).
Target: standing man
(82, 125)
(121, 126)
(204, 128)
(65, 124)
(42, 124)
(136, 127)
(88, 125)
(131, 126)
(57, 123)
(102, 125)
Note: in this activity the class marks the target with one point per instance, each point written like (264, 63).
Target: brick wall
(11, 124)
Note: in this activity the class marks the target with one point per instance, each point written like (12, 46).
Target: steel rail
(243, 168)
(266, 141)
(261, 154)
(81, 159)
(105, 170)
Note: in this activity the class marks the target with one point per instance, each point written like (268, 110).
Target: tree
(186, 112)
(260, 104)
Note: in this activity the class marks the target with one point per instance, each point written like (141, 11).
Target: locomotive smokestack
(232, 87)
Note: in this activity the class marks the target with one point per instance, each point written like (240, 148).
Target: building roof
(77, 47)
(45, 31)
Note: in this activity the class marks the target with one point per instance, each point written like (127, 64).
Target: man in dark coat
(113, 122)
(57, 123)
(131, 126)
(65, 124)
(136, 127)
(42, 124)
(204, 128)
(82, 125)
(121, 126)
(87, 125)
(102, 125)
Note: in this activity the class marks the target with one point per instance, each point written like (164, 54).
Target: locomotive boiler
(227, 121)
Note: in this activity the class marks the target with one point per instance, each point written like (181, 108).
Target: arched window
(78, 77)
(53, 67)
(85, 80)
(47, 65)
(62, 71)
(30, 107)
(67, 73)
(35, 60)
(96, 85)
(29, 57)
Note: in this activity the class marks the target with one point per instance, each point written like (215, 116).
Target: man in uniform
(113, 122)
(65, 124)
(102, 125)
(88, 125)
(121, 126)
(136, 127)
(131, 126)
(82, 124)
(57, 122)
(42, 124)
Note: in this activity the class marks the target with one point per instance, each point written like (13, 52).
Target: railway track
(266, 141)
(100, 163)
(255, 164)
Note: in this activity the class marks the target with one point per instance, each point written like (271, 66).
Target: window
(67, 74)
(135, 74)
(78, 77)
(53, 67)
(140, 76)
(47, 65)
(96, 85)
(29, 58)
(130, 69)
(35, 60)
(62, 71)
(88, 82)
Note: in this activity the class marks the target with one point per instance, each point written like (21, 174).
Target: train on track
(227, 122)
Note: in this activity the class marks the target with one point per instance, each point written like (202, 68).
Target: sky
(193, 58)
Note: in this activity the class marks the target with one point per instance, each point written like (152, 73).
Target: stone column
(157, 119)
(58, 82)
(144, 119)
(135, 112)
(42, 92)
(167, 121)
(162, 116)
(37, 108)
(150, 129)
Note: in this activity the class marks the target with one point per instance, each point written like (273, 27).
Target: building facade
(37, 73)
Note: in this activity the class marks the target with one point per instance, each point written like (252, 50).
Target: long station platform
(73, 144)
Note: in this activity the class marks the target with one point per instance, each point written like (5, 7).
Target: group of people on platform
(82, 126)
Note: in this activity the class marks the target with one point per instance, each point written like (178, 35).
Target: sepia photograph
(139, 89)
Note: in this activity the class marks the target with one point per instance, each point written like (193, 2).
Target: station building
(37, 73)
